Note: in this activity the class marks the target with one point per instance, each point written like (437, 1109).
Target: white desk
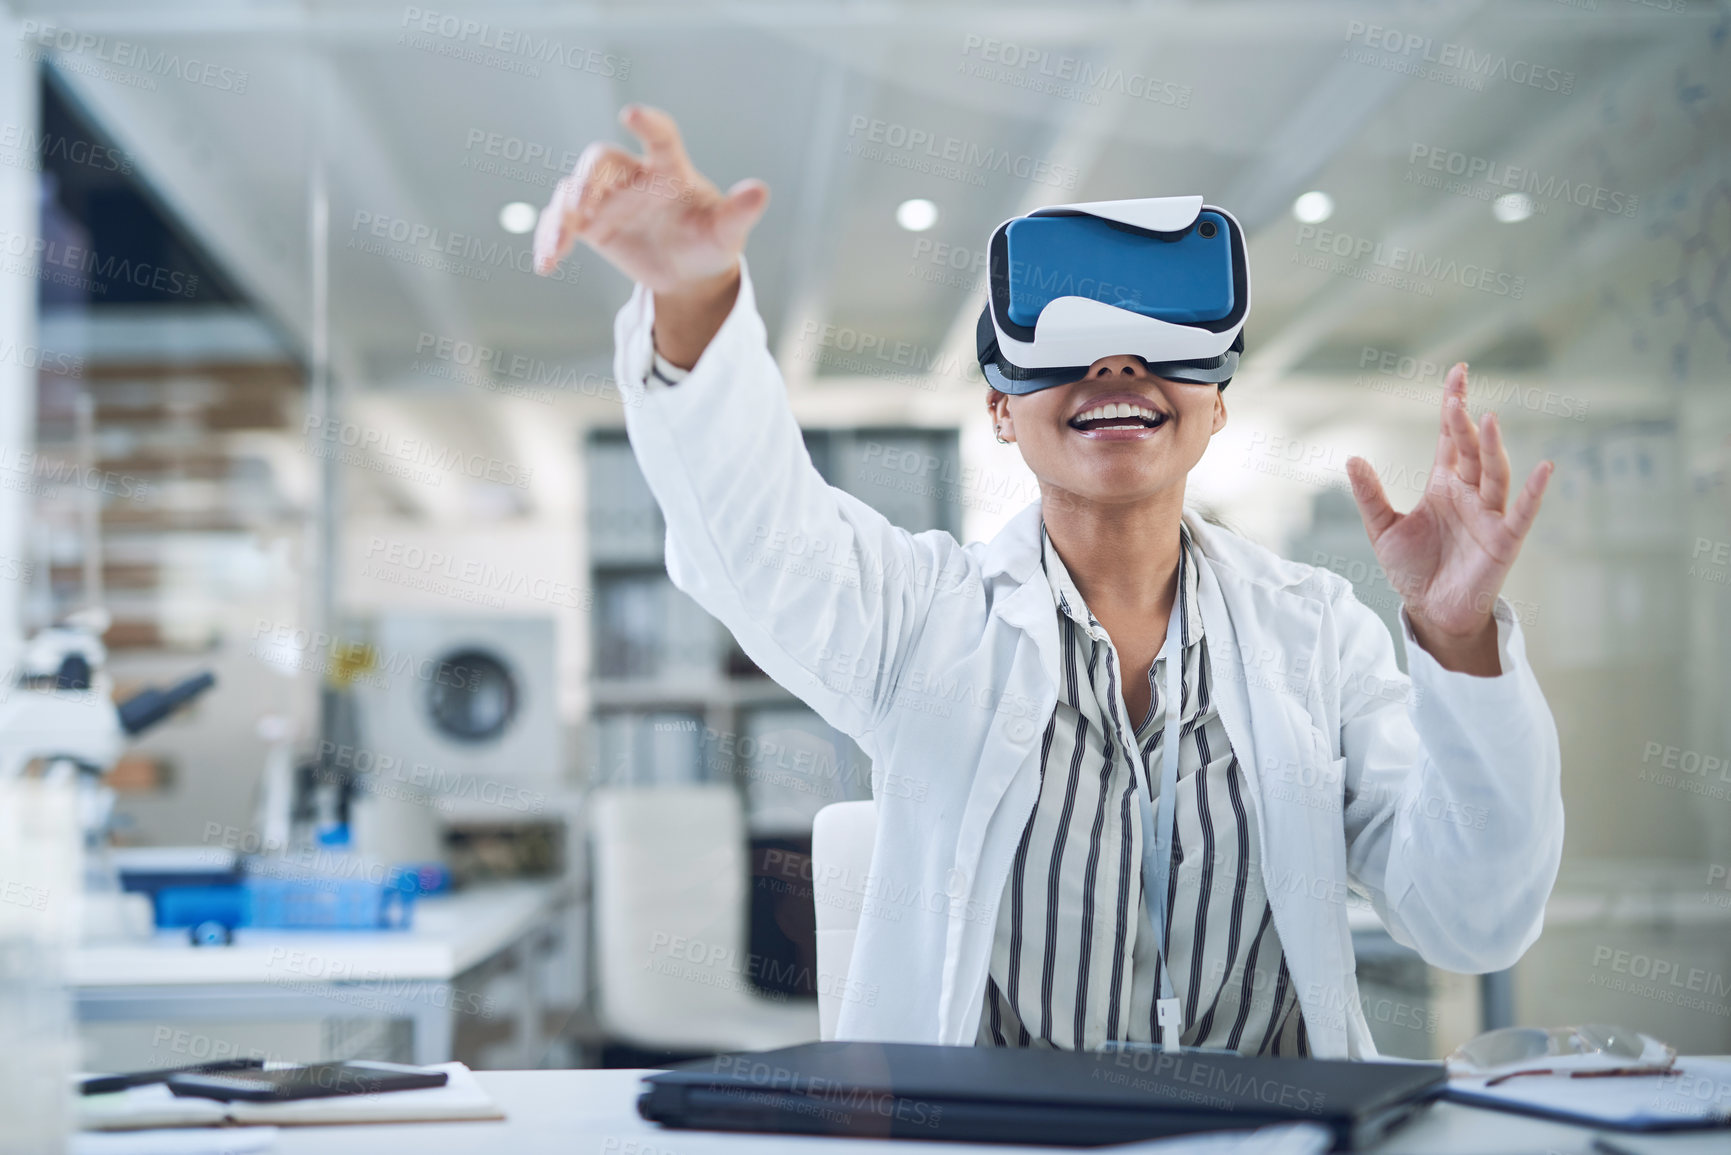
(277, 974)
(584, 1112)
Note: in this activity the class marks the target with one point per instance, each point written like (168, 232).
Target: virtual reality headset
(1161, 278)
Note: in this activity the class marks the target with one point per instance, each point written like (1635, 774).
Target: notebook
(153, 1105)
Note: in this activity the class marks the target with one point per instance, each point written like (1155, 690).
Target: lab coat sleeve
(1453, 802)
(820, 590)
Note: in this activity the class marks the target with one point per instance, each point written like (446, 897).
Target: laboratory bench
(419, 974)
(594, 1111)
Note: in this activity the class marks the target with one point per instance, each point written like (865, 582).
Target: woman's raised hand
(655, 218)
(1448, 556)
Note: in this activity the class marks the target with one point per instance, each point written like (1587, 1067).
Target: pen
(108, 1084)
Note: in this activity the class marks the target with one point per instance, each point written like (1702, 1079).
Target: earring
(998, 432)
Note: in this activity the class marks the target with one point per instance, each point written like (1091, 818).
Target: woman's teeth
(1120, 413)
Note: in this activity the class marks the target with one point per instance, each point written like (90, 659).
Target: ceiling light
(917, 215)
(518, 217)
(1313, 208)
(1512, 208)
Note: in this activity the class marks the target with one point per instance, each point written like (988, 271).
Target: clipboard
(1695, 1094)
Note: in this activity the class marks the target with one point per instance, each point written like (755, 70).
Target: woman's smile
(1119, 417)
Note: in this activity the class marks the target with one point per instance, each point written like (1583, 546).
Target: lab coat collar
(1015, 551)
(1225, 549)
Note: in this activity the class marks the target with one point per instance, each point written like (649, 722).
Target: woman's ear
(1219, 410)
(998, 405)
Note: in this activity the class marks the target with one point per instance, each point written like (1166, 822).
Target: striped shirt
(1074, 962)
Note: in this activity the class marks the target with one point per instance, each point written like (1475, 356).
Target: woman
(1014, 695)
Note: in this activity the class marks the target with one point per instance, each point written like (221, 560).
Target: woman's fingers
(601, 169)
(1526, 508)
(740, 210)
(662, 145)
(1449, 391)
(579, 198)
(1460, 426)
(1494, 461)
(553, 239)
(1444, 463)
(1372, 501)
(653, 217)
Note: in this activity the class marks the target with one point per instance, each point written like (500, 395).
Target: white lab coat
(1437, 799)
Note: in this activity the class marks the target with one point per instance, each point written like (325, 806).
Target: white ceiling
(1627, 310)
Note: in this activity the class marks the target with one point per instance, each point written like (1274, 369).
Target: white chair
(841, 854)
(670, 914)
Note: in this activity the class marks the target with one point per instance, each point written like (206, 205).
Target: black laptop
(1046, 1097)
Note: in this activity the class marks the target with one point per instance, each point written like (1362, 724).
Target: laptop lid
(1068, 1098)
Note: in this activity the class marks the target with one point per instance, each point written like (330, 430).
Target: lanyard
(1157, 842)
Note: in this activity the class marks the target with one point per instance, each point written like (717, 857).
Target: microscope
(57, 711)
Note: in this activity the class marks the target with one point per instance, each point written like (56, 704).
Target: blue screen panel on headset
(1184, 279)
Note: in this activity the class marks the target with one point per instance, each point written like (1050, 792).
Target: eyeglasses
(1593, 1051)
